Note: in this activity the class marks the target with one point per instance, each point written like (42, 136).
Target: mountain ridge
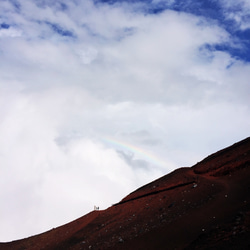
(206, 206)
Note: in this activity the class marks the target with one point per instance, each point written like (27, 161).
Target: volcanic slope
(206, 206)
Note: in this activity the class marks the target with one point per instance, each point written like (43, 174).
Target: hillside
(206, 206)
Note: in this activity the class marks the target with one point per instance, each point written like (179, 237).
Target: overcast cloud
(97, 99)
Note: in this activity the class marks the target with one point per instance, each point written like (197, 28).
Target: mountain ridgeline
(206, 206)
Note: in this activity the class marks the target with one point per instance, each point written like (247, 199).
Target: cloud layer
(76, 73)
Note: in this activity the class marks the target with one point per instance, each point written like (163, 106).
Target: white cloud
(148, 81)
(87, 55)
(11, 32)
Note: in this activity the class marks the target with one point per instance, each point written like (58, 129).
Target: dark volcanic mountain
(206, 206)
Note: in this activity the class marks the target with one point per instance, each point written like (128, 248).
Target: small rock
(121, 240)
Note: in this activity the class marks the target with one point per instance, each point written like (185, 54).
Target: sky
(98, 98)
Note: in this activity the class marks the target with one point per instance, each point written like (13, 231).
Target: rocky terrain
(206, 206)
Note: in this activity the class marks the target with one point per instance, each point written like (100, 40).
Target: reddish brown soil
(206, 206)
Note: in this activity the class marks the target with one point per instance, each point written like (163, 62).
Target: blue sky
(100, 97)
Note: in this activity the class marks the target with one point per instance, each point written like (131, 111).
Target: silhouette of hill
(206, 206)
